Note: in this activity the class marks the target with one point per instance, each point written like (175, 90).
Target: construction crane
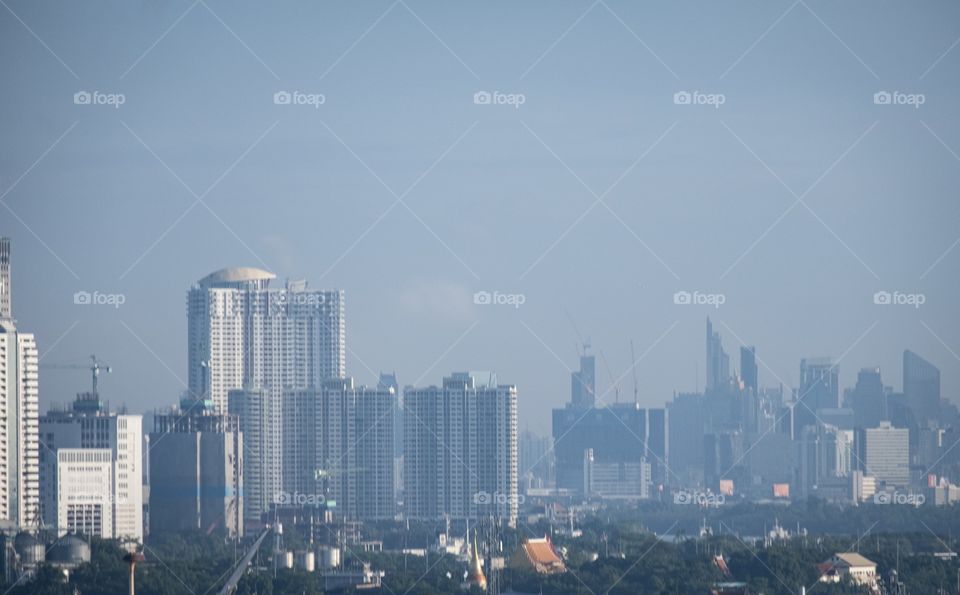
(95, 366)
(616, 385)
(633, 367)
(583, 344)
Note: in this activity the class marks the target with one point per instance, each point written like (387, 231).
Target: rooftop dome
(233, 276)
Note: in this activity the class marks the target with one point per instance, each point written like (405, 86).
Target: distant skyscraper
(718, 362)
(921, 385)
(461, 451)
(242, 334)
(819, 389)
(196, 473)
(748, 368)
(19, 410)
(261, 423)
(885, 454)
(868, 399)
(583, 385)
(6, 309)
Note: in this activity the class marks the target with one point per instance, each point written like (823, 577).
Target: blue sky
(797, 199)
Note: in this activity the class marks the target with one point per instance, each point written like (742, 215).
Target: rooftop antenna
(633, 367)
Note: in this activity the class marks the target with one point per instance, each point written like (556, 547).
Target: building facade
(19, 440)
(460, 449)
(85, 492)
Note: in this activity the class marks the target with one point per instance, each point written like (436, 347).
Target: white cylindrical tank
(288, 559)
(329, 557)
(307, 561)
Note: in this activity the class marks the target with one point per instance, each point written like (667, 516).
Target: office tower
(687, 427)
(196, 472)
(583, 387)
(658, 445)
(460, 449)
(536, 459)
(19, 410)
(338, 448)
(625, 480)
(84, 492)
(723, 459)
(718, 362)
(826, 453)
(260, 414)
(748, 368)
(819, 389)
(884, 453)
(619, 433)
(87, 426)
(921, 385)
(6, 306)
(243, 334)
(868, 399)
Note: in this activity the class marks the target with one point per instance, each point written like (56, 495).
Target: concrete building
(339, 447)
(260, 414)
(884, 453)
(196, 472)
(19, 444)
(460, 449)
(85, 492)
(921, 386)
(19, 411)
(86, 427)
(819, 389)
(242, 333)
(616, 481)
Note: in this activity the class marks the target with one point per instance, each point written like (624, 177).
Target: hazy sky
(796, 199)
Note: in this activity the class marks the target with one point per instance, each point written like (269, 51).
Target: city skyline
(495, 200)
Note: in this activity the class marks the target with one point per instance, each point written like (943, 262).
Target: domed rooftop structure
(70, 550)
(238, 277)
(30, 549)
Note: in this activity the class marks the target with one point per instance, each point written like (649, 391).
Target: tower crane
(95, 366)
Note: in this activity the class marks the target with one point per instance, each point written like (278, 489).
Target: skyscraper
(261, 423)
(460, 449)
(748, 368)
(242, 334)
(885, 454)
(6, 310)
(19, 410)
(583, 387)
(921, 385)
(718, 362)
(819, 389)
(868, 399)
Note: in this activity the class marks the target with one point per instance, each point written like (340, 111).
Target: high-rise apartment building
(19, 410)
(260, 414)
(243, 334)
(86, 427)
(921, 385)
(460, 449)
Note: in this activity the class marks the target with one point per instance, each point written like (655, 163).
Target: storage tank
(70, 551)
(329, 557)
(30, 549)
(288, 559)
(306, 560)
